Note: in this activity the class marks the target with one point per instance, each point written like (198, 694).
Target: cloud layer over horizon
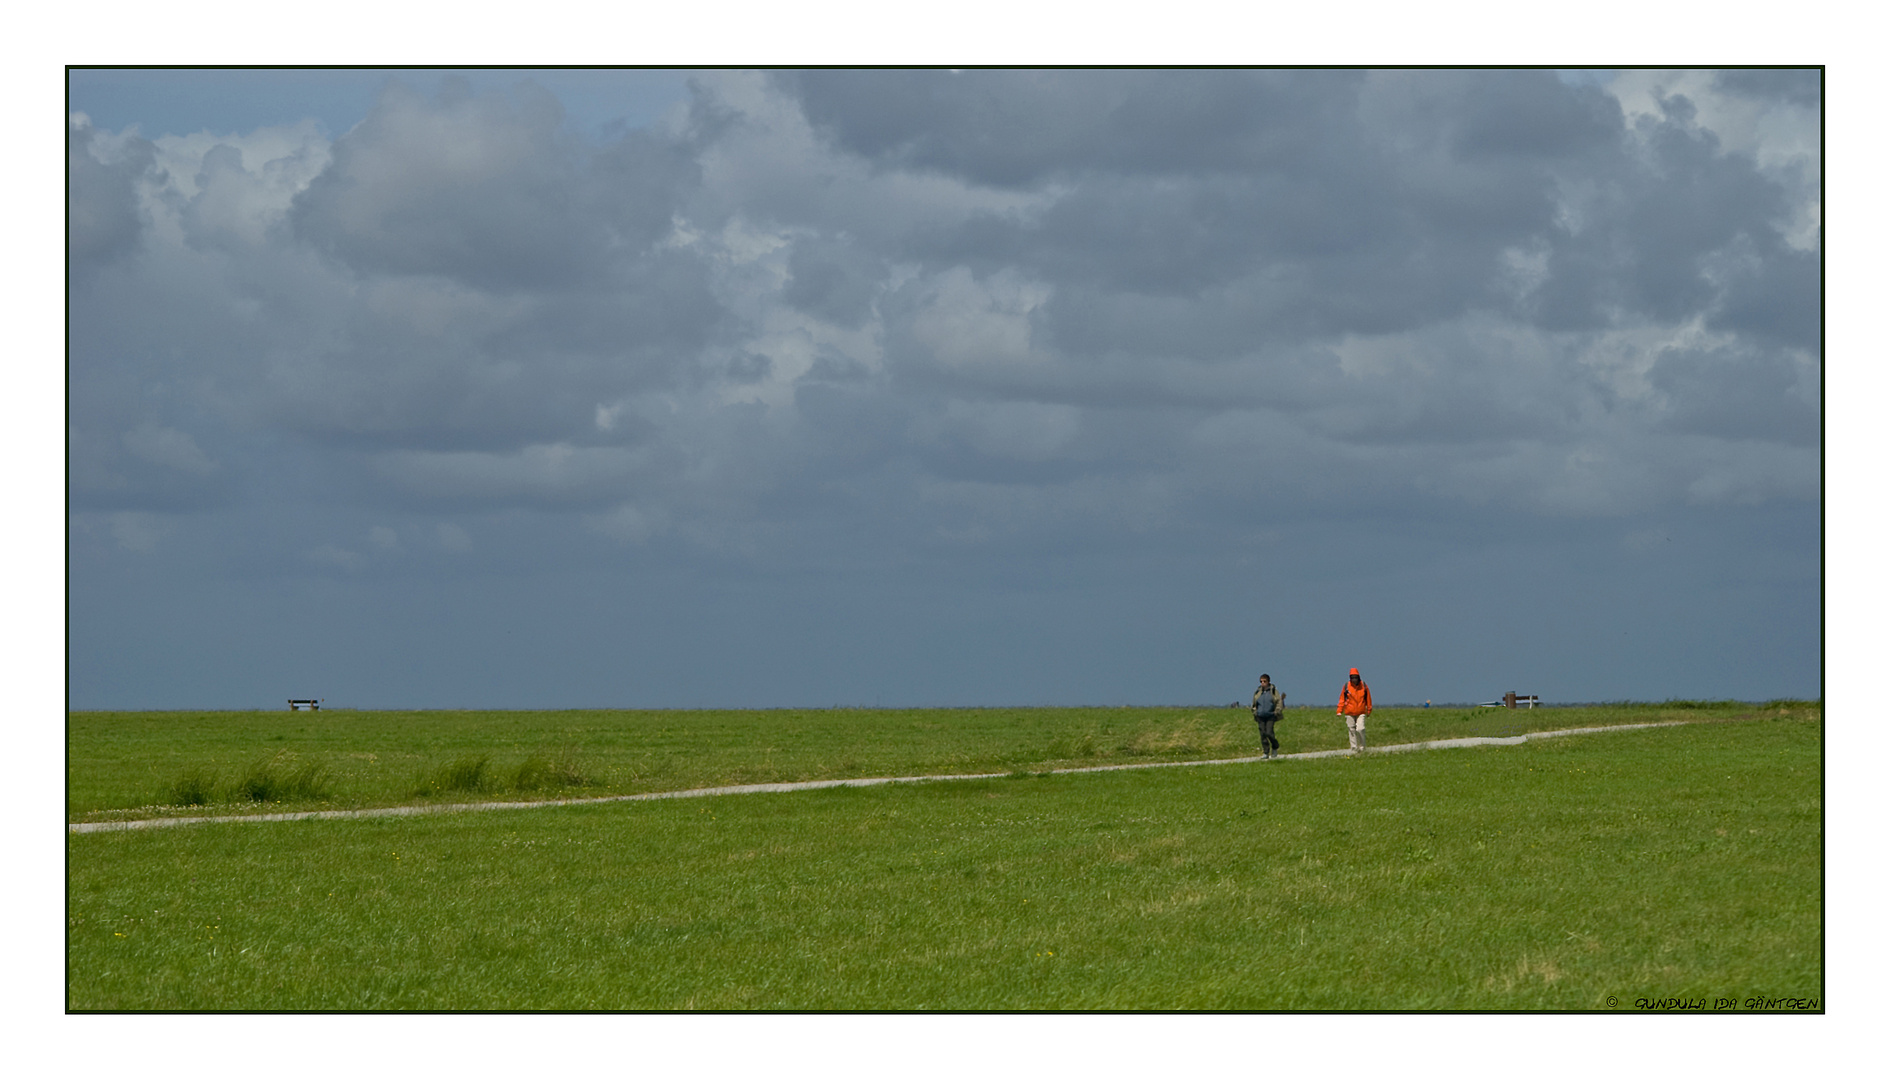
(966, 388)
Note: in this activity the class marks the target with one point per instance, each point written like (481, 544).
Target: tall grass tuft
(271, 780)
(310, 780)
(469, 773)
(197, 787)
(1077, 746)
(538, 773)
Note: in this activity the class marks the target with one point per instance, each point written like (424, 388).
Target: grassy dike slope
(132, 765)
(1565, 874)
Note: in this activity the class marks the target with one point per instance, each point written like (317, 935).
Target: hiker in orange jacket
(1355, 704)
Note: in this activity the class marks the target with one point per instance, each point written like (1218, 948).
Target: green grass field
(1672, 863)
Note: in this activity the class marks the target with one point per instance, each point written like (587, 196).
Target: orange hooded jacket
(1355, 701)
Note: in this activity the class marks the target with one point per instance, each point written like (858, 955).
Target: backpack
(1270, 702)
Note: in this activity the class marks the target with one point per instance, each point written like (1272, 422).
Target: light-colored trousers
(1355, 730)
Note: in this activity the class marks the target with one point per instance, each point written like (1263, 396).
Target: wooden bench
(314, 704)
(1511, 700)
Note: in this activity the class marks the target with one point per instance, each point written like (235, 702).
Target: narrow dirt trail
(810, 785)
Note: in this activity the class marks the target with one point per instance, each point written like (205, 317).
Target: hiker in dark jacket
(1269, 703)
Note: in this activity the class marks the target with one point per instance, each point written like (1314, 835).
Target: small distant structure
(314, 704)
(1511, 700)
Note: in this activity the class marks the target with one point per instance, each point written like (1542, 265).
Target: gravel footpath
(810, 785)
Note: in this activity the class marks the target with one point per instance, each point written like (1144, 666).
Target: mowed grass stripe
(1669, 862)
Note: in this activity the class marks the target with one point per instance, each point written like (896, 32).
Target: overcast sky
(731, 388)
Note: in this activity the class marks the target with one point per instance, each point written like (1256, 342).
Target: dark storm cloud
(147, 467)
(102, 215)
(1769, 291)
(1524, 115)
(1400, 211)
(1688, 203)
(1016, 128)
(488, 190)
(1678, 237)
(437, 367)
(1803, 87)
(834, 280)
(1738, 392)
